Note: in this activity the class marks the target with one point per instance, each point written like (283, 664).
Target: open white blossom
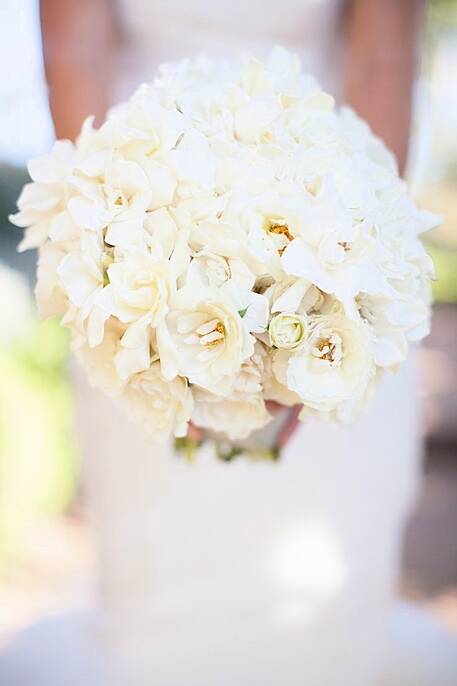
(244, 410)
(162, 407)
(225, 238)
(334, 365)
(207, 340)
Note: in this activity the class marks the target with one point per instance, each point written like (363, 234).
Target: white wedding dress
(246, 573)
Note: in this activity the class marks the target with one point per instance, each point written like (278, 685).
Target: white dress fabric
(256, 574)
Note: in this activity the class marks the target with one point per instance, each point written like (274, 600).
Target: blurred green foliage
(37, 447)
(445, 287)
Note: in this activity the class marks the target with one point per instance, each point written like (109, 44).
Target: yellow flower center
(326, 349)
(330, 349)
(281, 230)
(211, 333)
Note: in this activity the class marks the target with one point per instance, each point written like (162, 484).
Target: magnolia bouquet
(225, 238)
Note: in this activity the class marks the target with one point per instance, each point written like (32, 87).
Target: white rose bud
(287, 331)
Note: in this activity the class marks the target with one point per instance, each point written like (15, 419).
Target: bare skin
(381, 65)
(79, 41)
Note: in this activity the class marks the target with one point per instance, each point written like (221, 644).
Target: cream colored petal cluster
(226, 237)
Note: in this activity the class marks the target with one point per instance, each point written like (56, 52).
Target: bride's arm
(78, 42)
(382, 55)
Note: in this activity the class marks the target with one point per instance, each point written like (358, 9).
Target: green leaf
(187, 447)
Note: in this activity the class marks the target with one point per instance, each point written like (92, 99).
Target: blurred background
(46, 554)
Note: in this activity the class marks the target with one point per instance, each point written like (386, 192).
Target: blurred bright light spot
(309, 560)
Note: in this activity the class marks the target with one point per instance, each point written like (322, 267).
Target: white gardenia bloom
(99, 361)
(162, 407)
(333, 366)
(40, 202)
(227, 237)
(244, 410)
(266, 223)
(50, 297)
(138, 286)
(82, 275)
(138, 293)
(206, 341)
(235, 281)
(393, 323)
(208, 269)
(235, 416)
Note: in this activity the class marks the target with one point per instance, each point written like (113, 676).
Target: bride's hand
(291, 424)
(195, 434)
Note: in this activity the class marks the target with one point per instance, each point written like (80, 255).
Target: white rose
(334, 365)
(206, 339)
(163, 407)
(287, 331)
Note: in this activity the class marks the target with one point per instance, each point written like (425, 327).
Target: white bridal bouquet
(225, 238)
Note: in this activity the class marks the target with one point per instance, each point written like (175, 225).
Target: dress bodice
(159, 31)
